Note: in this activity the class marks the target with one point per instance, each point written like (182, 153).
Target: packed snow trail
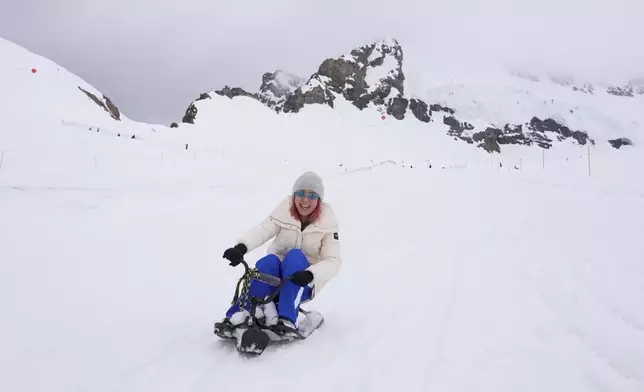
(451, 281)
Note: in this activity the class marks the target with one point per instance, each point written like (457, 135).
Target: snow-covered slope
(52, 91)
(46, 113)
(518, 271)
(497, 99)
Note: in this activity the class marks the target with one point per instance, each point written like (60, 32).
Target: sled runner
(254, 335)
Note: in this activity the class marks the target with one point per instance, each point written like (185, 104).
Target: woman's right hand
(235, 254)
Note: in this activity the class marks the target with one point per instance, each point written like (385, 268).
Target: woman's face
(306, 201)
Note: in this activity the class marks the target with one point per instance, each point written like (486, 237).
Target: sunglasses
(312, 195)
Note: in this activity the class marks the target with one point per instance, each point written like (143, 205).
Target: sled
(253, 335)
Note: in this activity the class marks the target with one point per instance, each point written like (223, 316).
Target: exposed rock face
(625, 91)
(533, 133)
(301, 97)
(107, 104)
(371, 75)
(488, 139)
(112, 109)
(276, 87)
(438, 108)
(420, 110)
(457, 128)
(586, 88)
(618, 143)
(397, 107)
(562, 132)
(191, 114)
(492, 138)
(233, 92)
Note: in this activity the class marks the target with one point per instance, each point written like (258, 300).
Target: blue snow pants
(290, 295)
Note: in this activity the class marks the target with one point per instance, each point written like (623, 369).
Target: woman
(305, 246)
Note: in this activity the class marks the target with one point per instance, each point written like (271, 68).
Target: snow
(284, 83)
(498, 99)
(389, 67)
(288, 81)
(314, 82)
(472, 277)
(52, 88)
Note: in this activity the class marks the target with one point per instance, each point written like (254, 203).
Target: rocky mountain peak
(622, 91)
(371, 77)
(368, 74)
(276, 86)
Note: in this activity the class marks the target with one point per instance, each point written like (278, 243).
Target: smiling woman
(307, 192)
(306, 250)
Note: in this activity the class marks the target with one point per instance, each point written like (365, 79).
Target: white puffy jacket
(319, 241)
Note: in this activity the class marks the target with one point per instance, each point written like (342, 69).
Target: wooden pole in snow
(543, 158)
(1, 158)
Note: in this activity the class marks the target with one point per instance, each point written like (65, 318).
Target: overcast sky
(153, 57)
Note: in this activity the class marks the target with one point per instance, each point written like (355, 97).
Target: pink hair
(315, 215)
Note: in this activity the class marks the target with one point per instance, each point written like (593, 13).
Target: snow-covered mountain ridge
(372, 78)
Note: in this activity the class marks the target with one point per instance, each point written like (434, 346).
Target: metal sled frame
(251, 336)
(265, 278)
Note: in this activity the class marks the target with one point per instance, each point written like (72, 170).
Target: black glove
(302, 278)
(235, 254)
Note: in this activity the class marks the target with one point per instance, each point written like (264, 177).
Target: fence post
(1, 158)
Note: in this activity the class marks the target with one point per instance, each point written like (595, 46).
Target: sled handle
(266, 278)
